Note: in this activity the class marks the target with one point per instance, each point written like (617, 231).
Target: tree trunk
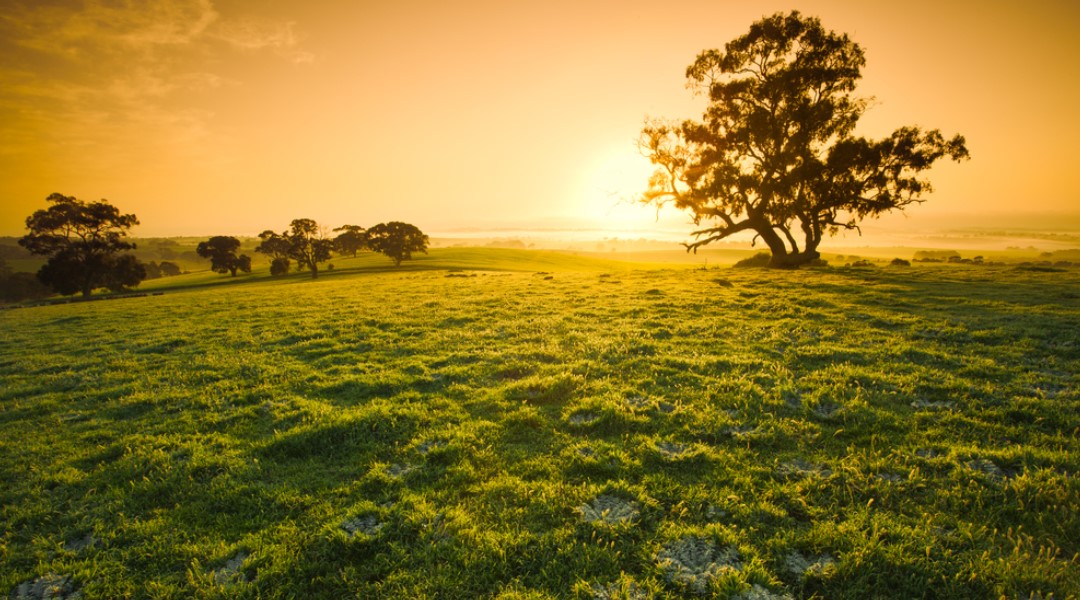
(781, 257)
(794, 260)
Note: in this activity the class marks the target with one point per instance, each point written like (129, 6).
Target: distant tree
(165, 268)
(15, 287)
(153, 270)
(169, 269)
(309, 246)
(304, 242)
(774, 153)
(397, 240)
(279, 266)
(82, 242)
(221, 250)
(275, 246)
(351, 240)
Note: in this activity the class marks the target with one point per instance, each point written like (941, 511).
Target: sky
(207, 117)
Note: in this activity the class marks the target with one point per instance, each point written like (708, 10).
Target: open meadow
(506, 424)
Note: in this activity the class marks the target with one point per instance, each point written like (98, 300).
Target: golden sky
(234, 116)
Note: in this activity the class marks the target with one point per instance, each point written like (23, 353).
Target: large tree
(775, 153)
(304, 242)
(397, 240)
(221, 250)
(84, 242)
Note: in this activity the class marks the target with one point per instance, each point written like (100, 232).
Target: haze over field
(211, 116)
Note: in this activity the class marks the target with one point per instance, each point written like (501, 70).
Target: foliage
(82, 241)
(276, 246)
(775, 152)
(906, 433)
(125, 273)
(168, 269)
(221, 250)
(397, 240)
(936, 255)
(15, 287)
(304, 242)
(279, 266)
(351, 240)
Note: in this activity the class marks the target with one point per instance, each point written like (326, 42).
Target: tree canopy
(83, 242)
(351, 240)
(221, 250)
(397, 240)
(304, 242)
(775, 153)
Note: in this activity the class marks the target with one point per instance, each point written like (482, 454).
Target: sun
(610, 188)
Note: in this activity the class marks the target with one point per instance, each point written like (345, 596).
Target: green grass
(425, 433)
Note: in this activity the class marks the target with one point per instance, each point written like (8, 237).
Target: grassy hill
(511, 424)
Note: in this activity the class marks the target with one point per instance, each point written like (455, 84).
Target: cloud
(251, 35)
(97, 27)
(122, 76)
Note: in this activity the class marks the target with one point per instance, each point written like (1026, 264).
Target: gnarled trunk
(793, 260)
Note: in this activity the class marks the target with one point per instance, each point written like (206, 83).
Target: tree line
(86, 248)
(305, 244)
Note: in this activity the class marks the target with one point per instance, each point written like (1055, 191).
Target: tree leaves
(82, 240)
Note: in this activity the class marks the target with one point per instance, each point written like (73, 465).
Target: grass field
(530, 426)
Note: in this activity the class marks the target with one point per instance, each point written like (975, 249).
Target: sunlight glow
(611, 186)
(212, 117)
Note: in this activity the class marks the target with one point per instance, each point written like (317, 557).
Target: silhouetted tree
(279, 266)
(304, 242)
(163, 269)
(82, 241)
(276, 247)
(774, 153)
(309, 246)
(169, 269)
(397, 240)
(221, 250)
(351, 240)
(153, 271)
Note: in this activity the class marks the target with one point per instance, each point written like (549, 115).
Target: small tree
(351, 240)
(304, 242)
(221, 250)
(82, 241)
(774, 153)
(153, 270)
(308, 245)
(397, 240)
(169, 269)
(276, 247)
